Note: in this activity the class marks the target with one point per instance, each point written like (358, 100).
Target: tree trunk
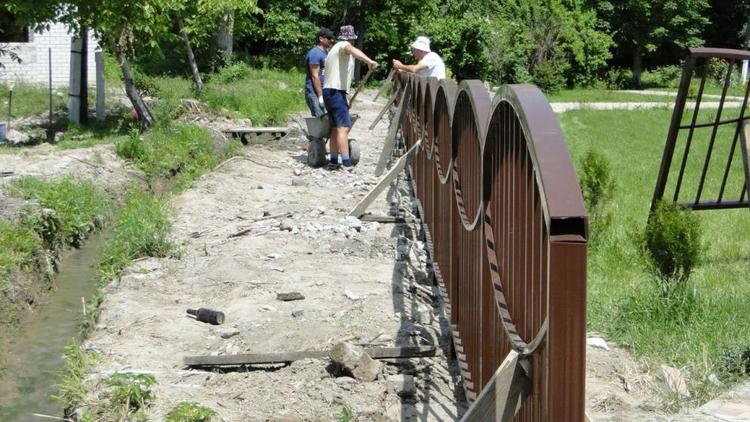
(191, 57)
(225, 34)
(144, 115)
(637, 66)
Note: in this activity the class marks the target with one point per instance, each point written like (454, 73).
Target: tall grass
(19, 243)
(624, 301)
(80, 207)
(176, 150)
(31, 100)
(141, 230)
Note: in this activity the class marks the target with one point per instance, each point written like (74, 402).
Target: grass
(141, 230)
(190, 412)
(71, 391)
(80, 207)
(180, 150)
(130, 396)
(267, 97)
(31, 100)
(692, 333)
(19, 243)
(585, 95)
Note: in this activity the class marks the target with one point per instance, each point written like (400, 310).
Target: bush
(618, 78)
(130, 394)
(232, 72)
(597, 187)
(665, 76)
(672, 242)
(190, 412)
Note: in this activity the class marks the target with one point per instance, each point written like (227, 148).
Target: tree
(641, 27)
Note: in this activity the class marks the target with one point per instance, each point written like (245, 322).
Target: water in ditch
(34, 356)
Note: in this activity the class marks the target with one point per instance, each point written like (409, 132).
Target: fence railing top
(719, 52)
(563, 201)
(479, 99)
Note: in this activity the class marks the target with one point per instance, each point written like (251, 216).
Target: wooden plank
(390, 139)
(246, 129)
(270, 358)
(386, 180)
(382, 112)
(388, 219)
(359, 87)
(503, 395)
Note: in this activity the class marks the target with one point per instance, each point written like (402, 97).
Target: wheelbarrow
(318, 130)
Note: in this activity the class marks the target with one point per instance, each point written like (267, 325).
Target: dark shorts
(338, 107)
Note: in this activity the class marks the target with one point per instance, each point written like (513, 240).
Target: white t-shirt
(435, 66)
(339, 68)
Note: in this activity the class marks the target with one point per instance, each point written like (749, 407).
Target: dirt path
(354, 290)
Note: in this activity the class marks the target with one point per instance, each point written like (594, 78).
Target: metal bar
(715, 205)
(666, 160)
(713, 132)
(696, 110)
(721, 123)
(734, 142)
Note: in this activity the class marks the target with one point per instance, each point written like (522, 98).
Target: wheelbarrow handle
(361, 85)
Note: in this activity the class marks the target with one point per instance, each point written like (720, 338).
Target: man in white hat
(428, 63)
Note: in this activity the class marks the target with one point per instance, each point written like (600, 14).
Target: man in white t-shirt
(339, 73)
(428, 62)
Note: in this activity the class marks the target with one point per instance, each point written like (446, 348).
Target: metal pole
(10, 105)
(50, 133)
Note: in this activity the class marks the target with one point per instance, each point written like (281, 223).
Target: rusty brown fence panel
(506, 229)
(704, 133)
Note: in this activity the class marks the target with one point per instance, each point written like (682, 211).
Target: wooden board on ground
(386, 82)
(382, 112)
(386, 180)
(271, 358)
(247, 134)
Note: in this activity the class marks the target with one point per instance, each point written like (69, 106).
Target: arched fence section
(506, 229)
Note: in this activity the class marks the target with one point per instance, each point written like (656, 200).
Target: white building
(34, 54)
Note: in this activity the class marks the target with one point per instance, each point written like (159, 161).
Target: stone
(228, 332)
(597, 342)
(353, 222)
(402, 385)
(673, 382)
(288, 297)
(353, 360)
(351, 296)
(299, 182)
(297, 172)
(298, 314)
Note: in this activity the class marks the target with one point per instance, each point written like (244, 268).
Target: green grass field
(710, 336)
(582, 95)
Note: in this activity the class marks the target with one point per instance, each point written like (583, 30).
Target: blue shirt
(317, 56)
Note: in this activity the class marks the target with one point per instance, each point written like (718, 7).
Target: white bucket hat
(422, 43)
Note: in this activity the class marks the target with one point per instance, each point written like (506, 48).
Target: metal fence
(506, 228)
(707, 124)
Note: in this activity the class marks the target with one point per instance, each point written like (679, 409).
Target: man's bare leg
(342, 137)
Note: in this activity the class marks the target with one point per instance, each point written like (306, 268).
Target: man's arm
(414, 68)
(357, 53)
(315, 78)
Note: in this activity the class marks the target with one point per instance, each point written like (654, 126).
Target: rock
(423, 314)
(353, 222)
(351, 296)
(299, 182)
(297, 172)
(259, 187)
(353, 360)
(228, 332)
(673, 381)
(713, 379)
(267, 308)
(273, 256)
(286, 226)
(422, 277)
(298, 314)
(402, 385)
(288, 297)
(597, 342)
(279, 269)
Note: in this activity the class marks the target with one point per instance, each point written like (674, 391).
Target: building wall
(34, 67)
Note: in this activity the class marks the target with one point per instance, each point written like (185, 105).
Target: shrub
(131, 394)
(618, 78)
(190, 412)
(672, 242)
(232, 72)
(597, 187)
(665, 76)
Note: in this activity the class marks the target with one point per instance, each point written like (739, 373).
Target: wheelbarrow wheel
(354, 151)
(316, 152)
